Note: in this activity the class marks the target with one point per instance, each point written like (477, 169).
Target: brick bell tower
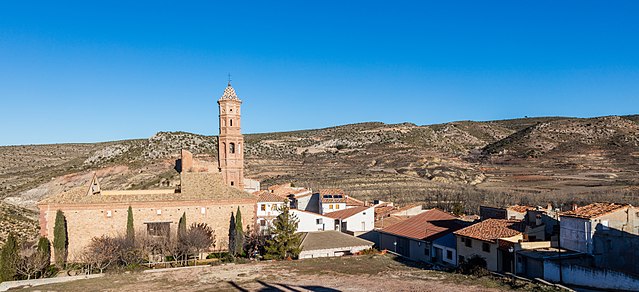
(231, 141)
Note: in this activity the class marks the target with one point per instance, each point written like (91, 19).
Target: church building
(206, 195)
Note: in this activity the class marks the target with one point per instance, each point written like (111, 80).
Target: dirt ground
(358, 273)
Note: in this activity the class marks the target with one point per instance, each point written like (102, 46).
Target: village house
(426, 237)
(206, 194)
(493, 240)
(515, 212)
(331, 200)
(355, 220)
(609, 232)
(310, 221)
(269, 206)
(331, 244)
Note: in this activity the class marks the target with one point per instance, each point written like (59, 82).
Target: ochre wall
(87, 221)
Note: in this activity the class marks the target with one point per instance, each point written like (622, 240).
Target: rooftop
(329, 240)
(343, 214)
(593, 210)
(266, 196)
(521, 209)
(229, 93)
(428, 225)
(195, 186)
(492, 229)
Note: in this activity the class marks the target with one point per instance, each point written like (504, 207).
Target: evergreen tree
(239, 233)
(232, 235)
(60, 241)
(181, 232)
(130, 230)
(285, 243)
(8, 259)
(44, 249)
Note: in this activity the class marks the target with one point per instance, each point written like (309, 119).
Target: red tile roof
(593, 210)
(521, 209)
(343, 214)
(266, 196)
(492, 229)
(429, 225)
(390, 220)
(350, 201)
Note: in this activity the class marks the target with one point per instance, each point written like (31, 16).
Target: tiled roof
(521, 209)
(329, 196)
(350, 201)
(390, 220)
(429, 225)
(195, 186)
(343, 214)
(384, 211)
(492, 229)
(284, 190)
(229, 93)
(331, 192)
(593, 210)
(330, 240)
(266, 196)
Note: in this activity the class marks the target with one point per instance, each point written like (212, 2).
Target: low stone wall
(591, 277)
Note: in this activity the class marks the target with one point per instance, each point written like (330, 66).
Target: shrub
(475, 266)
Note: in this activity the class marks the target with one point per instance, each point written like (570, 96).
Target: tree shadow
(277, 287)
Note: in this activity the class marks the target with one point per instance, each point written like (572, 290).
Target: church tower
(231, 141)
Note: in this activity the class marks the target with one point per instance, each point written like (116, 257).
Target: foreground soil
(357, 273)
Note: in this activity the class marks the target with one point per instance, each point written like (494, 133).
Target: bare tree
(30, 262)
(200, 237)
(102, 252)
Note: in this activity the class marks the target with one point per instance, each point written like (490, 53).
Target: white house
(268, 208)
(331, 200)
(309, 221)
(357, 219)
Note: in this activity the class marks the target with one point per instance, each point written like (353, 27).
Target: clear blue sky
(90, 71)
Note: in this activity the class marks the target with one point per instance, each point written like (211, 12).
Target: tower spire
(229, 79)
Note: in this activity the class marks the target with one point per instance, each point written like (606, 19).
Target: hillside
(531, 160)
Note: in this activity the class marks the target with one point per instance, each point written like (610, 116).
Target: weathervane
(229, 79)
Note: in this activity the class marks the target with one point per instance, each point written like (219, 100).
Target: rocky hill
(531, 160)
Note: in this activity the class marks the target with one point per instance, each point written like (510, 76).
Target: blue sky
(91, 71)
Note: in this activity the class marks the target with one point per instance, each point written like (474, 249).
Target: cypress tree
(181, 232)
(44, 252)
(239, 233)
(8, 258)
(60, 241)
(130, 231)
(285, 242)
(232, 235)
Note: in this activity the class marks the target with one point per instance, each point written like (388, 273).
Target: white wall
(326, 207)
(308, 221)
(589, 277)
(362, 221)
(272, 209)
(576, 234)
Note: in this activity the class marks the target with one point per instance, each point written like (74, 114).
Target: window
(274, 207)
(262, 222)
(203, 210)
(336, 206)
(232, 183)
(231, 148)
(231, 122)
(158, 229)
(469, 242)
(318, 221)
(449, 255)
(485, 247)
(330, 206)
(263, 207)
(426, 251)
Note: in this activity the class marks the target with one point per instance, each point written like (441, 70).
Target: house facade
(426, 237)
(354, 220)
(310, 222)
(491, 239)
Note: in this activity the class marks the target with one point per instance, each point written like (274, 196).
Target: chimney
(549, 207)
(573, 207)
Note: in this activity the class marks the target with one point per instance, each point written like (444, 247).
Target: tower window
(231, 122)
(232, 148)
(232, 183)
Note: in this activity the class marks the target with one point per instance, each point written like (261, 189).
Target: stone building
(207, 194)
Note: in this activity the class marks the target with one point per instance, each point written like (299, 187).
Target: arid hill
(529, 161)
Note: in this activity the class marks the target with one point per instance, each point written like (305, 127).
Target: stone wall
(91, 220)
